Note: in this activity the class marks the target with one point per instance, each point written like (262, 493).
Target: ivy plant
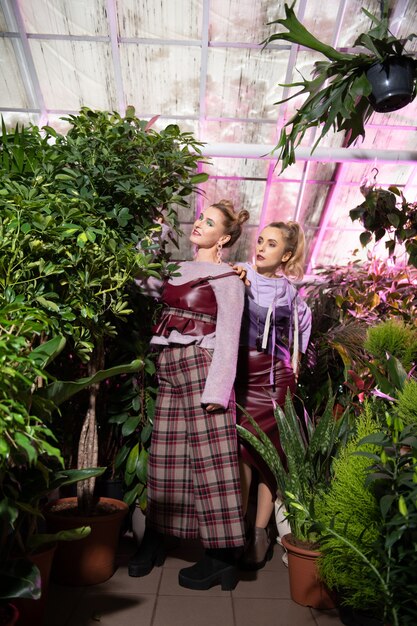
(387, 212)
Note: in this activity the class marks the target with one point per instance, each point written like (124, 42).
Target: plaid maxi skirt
(193, 471)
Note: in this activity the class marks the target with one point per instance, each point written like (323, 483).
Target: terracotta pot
(392, 83)
(9, 614)
(91, 560)
(306, 588)
(32, 611)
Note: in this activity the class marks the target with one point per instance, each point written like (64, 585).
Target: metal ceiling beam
(281, 119)
(205, 29)
(147, 41)
(14, 20)
(117, 67)
(324, 154)
(301, 190)
(57, 37)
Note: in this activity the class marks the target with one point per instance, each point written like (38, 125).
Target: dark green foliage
(344, 304)
(77, 224)
(24, 436)
(387, 212)
(406, 407)
(395, 338)
(77, 206)
(351, 508)
(393, 478)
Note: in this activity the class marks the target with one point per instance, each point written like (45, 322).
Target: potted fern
(340, 94)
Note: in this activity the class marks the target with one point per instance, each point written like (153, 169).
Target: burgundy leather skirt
(255, 393)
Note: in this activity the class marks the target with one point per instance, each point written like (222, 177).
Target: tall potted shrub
(79, 206)
(31, 464)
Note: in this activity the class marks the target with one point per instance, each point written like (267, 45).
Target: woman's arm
(229, 294)
(150, 286)
(304, 324)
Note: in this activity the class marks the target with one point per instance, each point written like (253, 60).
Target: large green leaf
(45, 353)
(73, 534)
(19, 578)
(297, 33)
(59, 391)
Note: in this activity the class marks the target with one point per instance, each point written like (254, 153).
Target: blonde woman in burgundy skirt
(276, 323)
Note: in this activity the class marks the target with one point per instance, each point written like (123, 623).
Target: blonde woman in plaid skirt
(193, 471)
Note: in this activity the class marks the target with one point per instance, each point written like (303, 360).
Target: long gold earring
(219, 247)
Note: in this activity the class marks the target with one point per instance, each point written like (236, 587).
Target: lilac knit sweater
(229, 294)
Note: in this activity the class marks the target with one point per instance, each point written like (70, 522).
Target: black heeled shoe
(217, 567)
(151, 553)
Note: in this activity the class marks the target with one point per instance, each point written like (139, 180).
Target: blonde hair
(232, 221)
(294, 240)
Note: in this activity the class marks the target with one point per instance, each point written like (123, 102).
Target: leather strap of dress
(206, 278)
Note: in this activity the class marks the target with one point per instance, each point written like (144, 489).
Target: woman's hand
(211, 408)
(241, 272)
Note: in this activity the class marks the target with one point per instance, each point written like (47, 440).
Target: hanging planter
(392, 83)
(339, 94)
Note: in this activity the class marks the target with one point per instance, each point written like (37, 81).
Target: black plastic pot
(392, 83)
(353, 617)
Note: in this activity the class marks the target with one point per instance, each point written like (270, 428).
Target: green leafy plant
(387, 212)
(345, 302)
(371, 557)
(406, 407)
(395, 337)
(136, 427)
(367, 517)
(337, 94)
(393, 477)
(31, 465)
(19, 579)
(77, 224)
(309, 447)
(351, 509)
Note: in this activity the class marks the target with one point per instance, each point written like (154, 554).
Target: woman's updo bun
(243, 216)
(232, 221)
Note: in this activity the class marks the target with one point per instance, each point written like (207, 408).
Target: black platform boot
(151, 553)
(217, 567)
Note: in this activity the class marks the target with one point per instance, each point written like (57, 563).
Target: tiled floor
(260, 599)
